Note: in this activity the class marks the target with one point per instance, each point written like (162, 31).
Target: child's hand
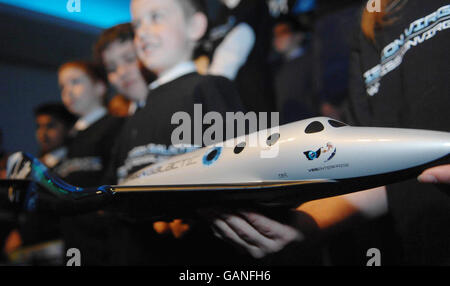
(13, 242)
(257, 234)
(176, 227)
(439, 174)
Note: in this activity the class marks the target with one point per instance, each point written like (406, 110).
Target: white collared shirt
(174, 73)
(89, 119)
(132, 108)
(298, 52)
(135, 105)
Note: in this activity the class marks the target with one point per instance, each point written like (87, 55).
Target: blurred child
(166, 33)
(165, 45)
(35, 241)
(83, 88)
(116, 52)
(53, 123)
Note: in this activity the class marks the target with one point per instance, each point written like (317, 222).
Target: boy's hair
(190, 7)
(373, 21)
(294, 24)
(94, 70)
(122, 33)
(57, 111)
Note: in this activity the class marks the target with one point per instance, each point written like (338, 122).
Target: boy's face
(122, 66)
(284, 39)
(163, 35)
(79, 93)
(50, 132)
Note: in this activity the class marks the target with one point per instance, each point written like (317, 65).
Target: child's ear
(197, 26)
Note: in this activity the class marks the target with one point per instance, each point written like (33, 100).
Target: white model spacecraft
(297, 162)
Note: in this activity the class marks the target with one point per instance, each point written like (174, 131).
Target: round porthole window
(212, 155)
(239, 148)
(336, 123)
(272, 139)
(314, 127)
